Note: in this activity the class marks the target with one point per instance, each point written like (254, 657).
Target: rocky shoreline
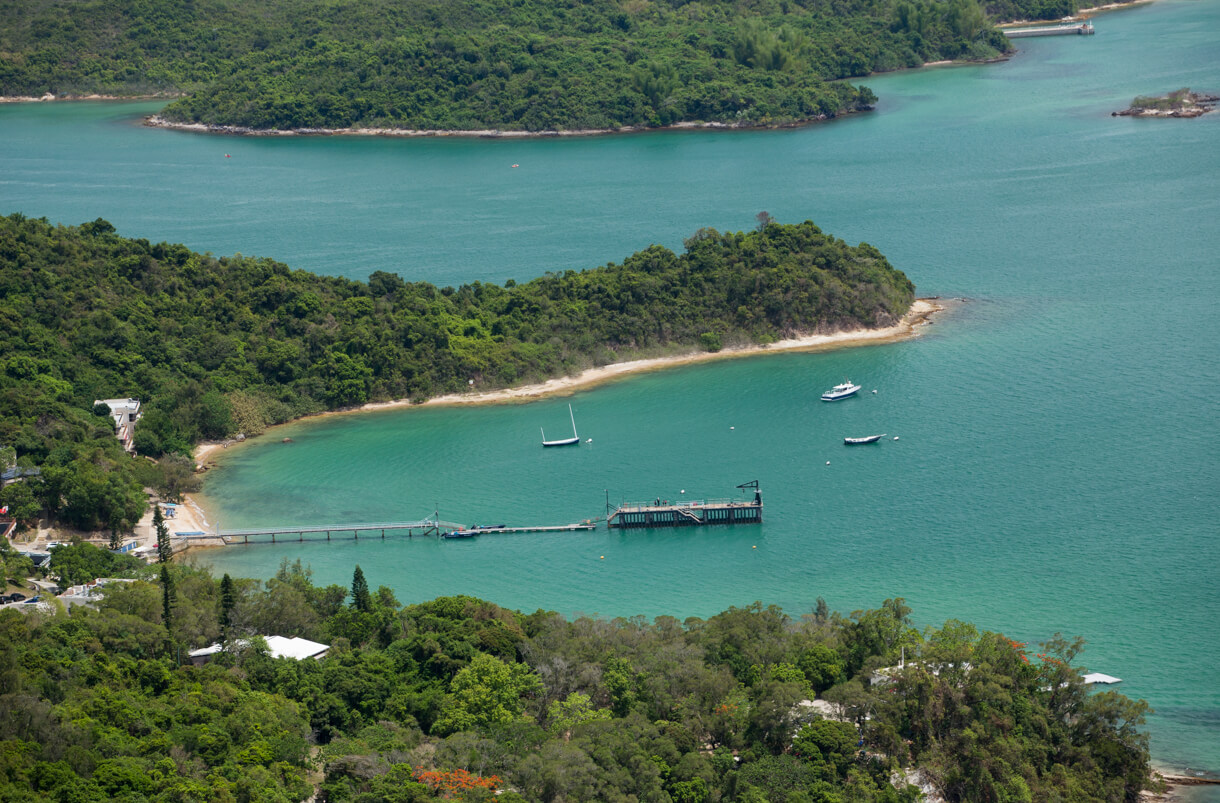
(1182, 103)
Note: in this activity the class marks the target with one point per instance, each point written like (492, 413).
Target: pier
(663, 513)
(584, 526)
(1060, 29)
(320, 532)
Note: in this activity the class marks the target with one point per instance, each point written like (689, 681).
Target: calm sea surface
(1058, 467)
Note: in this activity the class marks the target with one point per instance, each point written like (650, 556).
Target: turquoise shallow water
(1058, 461)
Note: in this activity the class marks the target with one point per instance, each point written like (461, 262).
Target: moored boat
(564, 441)
(842, 391)
(858, 441)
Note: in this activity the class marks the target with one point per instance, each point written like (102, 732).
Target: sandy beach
(192, 517)
(919, 315)
(156, 121)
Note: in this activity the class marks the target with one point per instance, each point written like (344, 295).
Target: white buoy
(732, 427)
(589, 440)
(828, 462)
(874, 390)
(682, 491)
(895, 437)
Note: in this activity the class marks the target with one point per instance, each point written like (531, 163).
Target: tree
(361, 599)
(228, 601)
(822, 667)
(564, 715)
(829, 741)
(168, 597)
(83, 563)
(164, 551)
(487, 692)
(177, 477)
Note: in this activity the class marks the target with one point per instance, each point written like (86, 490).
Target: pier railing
(255, 535)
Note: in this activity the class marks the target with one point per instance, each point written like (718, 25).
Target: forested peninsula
(460, 699)
(219, 346)
(477, 65)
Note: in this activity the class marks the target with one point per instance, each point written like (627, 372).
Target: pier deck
(663, 513)
(585, 526)
(1060, 29)
(319, 532)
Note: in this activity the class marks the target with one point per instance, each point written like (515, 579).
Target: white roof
(1097, 677)
(298, 648)
(277, 647)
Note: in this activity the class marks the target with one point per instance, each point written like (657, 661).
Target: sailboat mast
(572, 415)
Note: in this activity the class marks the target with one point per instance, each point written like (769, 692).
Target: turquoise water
(1058, 464)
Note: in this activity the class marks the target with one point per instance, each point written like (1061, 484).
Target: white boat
(563, 441)
(859, 441)
(841, 391)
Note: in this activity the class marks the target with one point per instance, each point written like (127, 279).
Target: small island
(1182, 103)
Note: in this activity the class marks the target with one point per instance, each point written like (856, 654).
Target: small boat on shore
(843, 391)
(859, 441)
(563, 441)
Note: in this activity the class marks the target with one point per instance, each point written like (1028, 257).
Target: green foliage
(82, 563)
(361, 599)
(207, 342)
(577, 709)
(1013, 10)
(471, 65)
(487, 693)
(93, 705)
(1178, 99)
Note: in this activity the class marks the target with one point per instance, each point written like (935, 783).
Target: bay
(1058, 464)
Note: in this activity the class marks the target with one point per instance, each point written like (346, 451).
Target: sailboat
(563, 441)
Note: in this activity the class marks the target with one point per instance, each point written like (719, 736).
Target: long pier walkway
(1057, 29)
(320, 532)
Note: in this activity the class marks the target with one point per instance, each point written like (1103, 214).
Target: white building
(277, 647)
(125, 413)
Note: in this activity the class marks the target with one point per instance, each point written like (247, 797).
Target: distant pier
(321, 532)
(660, 513)
(1060, 29)
(663, 513)
(584, 526)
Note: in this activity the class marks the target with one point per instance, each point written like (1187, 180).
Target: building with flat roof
(277, 647)
(125, 413)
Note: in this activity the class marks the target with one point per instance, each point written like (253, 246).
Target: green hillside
(218, 346)
(471, 64)
(460, 699)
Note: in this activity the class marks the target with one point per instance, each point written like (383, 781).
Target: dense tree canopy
(474, 64)
(215, 347)
(457, 698)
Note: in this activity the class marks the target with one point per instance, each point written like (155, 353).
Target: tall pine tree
(361, 600)
(228, 600)
(164, 551)
(168, 597)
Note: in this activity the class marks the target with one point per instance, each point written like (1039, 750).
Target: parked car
(16, 596)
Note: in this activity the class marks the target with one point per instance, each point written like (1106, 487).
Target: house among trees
(277, 647)
(125, 412)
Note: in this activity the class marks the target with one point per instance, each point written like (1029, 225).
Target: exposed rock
(1182, 103)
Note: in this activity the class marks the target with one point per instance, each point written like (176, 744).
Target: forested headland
(219, 346)
(460, 699)
(468, 65)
